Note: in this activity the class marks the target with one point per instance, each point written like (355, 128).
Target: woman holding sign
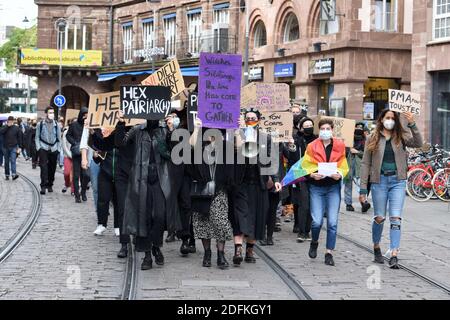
(385, 161)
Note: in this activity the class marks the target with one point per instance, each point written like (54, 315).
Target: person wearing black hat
(12, 142)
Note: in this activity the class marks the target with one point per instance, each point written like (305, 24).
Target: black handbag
(204, 190)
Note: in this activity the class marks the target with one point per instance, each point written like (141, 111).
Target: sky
(13, 12)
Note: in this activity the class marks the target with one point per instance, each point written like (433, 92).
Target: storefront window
(441, 109)
(376, 90)
(326, 91)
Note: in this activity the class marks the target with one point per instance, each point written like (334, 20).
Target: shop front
(376, 96)
(441, 108)
(285, 73)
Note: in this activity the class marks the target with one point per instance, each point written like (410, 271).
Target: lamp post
(245, 4)
(28, 108)
(60, 26)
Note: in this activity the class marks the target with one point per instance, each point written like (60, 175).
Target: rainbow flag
(315, 153)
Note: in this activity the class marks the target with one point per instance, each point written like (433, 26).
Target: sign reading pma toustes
(145, 102)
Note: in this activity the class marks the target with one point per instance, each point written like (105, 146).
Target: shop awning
(187, 71)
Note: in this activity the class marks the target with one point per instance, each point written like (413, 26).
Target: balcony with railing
(185, 48)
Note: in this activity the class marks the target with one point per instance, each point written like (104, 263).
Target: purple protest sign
(219, 91)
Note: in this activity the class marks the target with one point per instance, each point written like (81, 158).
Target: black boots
(249, 255)
(50, 189)
(329, 259)
(207, 258)
(83, 196)
(222, 263)
(147, 263)
(159, 258)
(77, 199)
(313, 250)
(191, 246)
(123, 253)
(349, 207)
(393, 263)
(378, 257)
(237, 258)
(184, 249)
(365, 206)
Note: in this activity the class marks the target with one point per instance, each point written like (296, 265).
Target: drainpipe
(111, 34)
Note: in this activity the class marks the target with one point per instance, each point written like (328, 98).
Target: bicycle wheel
(419, 186)
(441, 184)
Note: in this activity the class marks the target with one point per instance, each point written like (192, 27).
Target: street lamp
(246, 5)
(60, 26)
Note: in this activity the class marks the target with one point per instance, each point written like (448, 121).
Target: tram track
(14, 242)
(130, 281)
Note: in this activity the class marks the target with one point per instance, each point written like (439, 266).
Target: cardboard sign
(266, 96)
(168, 75)
(404, 101)
(192, 109)
(71, 114)
(104, 111)
(219, 90)
(145, 102)
(277, 124)
(343, 128)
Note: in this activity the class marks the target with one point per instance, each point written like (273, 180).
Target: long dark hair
(397, 131)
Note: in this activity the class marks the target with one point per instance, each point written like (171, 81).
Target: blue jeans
(94, 170)
(323, 199)
(389, 192)
(10, 155)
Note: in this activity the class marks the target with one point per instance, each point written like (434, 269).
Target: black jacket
(12, 136)
(76, 129)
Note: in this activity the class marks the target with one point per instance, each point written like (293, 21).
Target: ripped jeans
(388, 194)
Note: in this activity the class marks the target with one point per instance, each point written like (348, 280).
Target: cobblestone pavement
(13, 213)
(59, 248)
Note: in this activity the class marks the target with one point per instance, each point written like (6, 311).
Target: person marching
(250, 196)
(48, 140)
(12, 142)
(385, 161)
(148, 188)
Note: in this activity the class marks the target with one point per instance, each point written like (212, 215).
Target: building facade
(339, 64)
(431, 67)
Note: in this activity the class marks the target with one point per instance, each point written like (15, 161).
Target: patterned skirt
(216, 225)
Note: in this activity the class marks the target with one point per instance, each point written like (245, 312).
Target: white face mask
(51, 116)
(325, 134)
(389, 124)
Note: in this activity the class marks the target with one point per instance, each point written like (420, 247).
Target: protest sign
(219, 91)
(192, 108)
(266, 96)
(278, 124)
(71, 114)
(368, 110)
(404, 101)
(145, 102)
(168, 75)
(343, 128)
(104, 111)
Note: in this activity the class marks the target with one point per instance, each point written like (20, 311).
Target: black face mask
(308, 131)
(152, 124)
(359, 132)
(297, 118)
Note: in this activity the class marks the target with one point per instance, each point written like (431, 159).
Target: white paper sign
(327, 168)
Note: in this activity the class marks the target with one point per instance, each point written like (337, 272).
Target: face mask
(251, 123)
(325, 134)
(176, 122)
(308, 131)
(359, 132)
(297, 118)
(51, 116)
(389, 124)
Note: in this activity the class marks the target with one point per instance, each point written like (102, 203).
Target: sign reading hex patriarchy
(168, 75)
(404, 101)
(266, 96)
(145, 102)
(219, 93)
(104, 111)
(192, 109)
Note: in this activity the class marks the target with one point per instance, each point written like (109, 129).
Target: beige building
(431, 67)
(340, 66)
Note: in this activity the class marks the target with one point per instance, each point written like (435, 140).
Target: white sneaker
(100, 230)
(117, 231)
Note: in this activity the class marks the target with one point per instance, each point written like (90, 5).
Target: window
(194, 32)
(291, 31)
(220, 26)
(170, 31)
(127, 36)
(329, 27)
(260, 34)
(441, 19)
(385, 15)
(78, 38)
(148, 34)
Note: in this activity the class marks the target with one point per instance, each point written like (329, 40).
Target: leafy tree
(20, 38)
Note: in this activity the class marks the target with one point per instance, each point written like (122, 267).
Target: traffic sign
(59, 100)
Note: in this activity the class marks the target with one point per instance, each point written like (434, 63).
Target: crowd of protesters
(132, 169)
